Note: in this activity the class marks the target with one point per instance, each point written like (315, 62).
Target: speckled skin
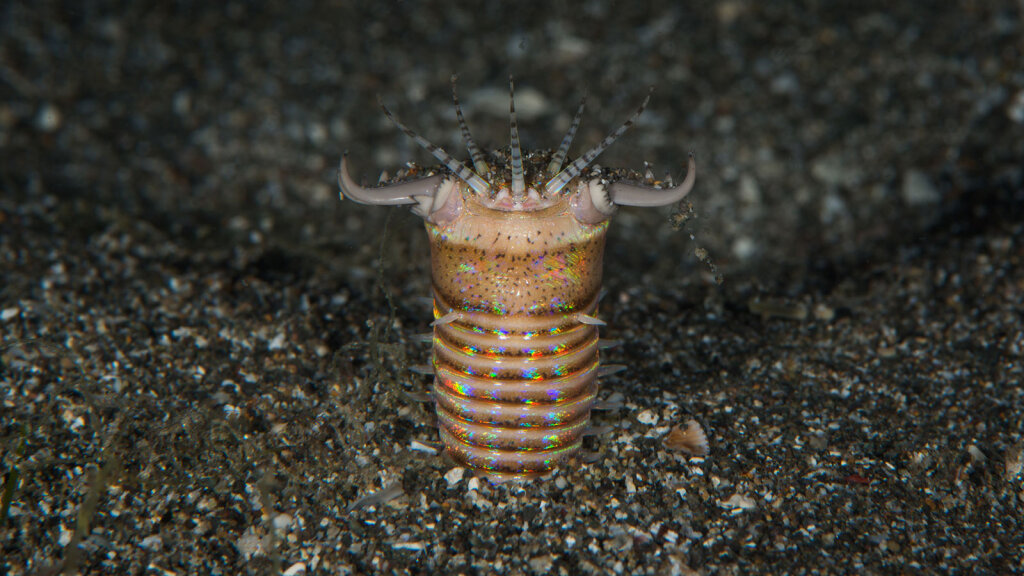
(516, 372)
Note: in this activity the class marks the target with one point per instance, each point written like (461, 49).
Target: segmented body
(516, 372)
(516, 260)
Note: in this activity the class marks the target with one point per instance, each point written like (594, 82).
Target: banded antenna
(474, 152)
(458, 168)
(563, 150)
(555, 185)
(518, 180)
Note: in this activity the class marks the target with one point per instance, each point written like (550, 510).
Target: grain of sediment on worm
(516, 247)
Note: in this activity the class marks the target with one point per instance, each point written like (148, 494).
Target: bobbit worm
(516, 245)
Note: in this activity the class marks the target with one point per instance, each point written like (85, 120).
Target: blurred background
(205, 352)
(822, 129)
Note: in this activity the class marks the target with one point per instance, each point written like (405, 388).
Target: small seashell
(692, 440)
(738, 502)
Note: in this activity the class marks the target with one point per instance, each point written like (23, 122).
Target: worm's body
(516, 372)
(516, 260)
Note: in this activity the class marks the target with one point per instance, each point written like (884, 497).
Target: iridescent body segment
(516, 250)
(516, 373)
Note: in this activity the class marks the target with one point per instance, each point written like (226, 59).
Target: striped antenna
(478, 158)
(556, 161)
(518, 181)
(555, 185)
(458, 168)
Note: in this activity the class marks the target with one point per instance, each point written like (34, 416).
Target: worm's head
(511, 182)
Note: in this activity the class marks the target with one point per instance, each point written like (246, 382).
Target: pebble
(454, 476)
(63, 536)
(283, 521)
(649, 417)
(738, 502)
(1015, 111)
(918, 189)
(418, 446)
(49, 118)
(152, 543)
(837, 170)
(531, 103)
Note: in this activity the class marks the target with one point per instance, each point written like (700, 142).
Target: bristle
(421, 397)
(447, 319)
(613, 402)
(563, 149)
(474, 152)
(598, 430)
(555, 185)
(518, 180)
(609, 369)
(389, 492)
(458, 168)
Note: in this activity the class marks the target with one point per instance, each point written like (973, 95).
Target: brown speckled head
(535, 264)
